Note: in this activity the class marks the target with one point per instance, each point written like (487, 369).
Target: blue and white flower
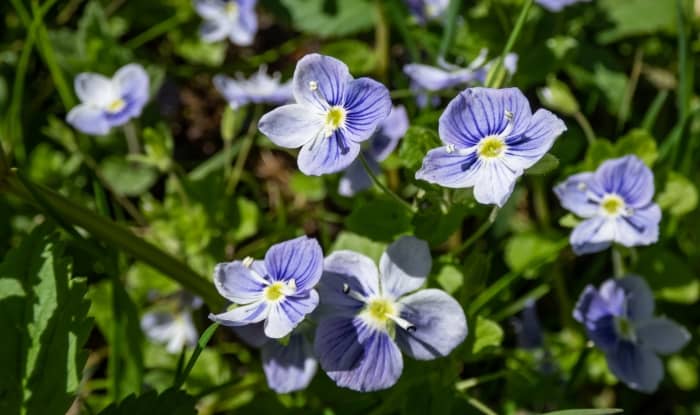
(383, 142)
(619, 319)
(278, 291)
(107, 103)
(332, 116)
(232, 19)
(175, 329)
(426, 10)
(260, 88)
(368, 318)
(557, 5)
(617, 204)
(490, 137)
(288, 367)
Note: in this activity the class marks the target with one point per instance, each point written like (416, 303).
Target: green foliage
(679, 196)
(353, 242)
(380, 219)
(637, 142)
(637, 17)
(359, 57)
(171, 401)
(44, 318)
(525, 251)
(331, 18)
(414, 145)
(546, 164)
(127, 178)
(487, 334)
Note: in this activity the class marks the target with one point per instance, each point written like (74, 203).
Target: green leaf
(526, 250)
(545, 165)
(450, 278)
(637, 17)
(331, 18)
(435, 226)
(486, 334)
(45, 324)
(669, 275)
(558, 97)
(171, 402)
(679, 197)
(127, 178)
(196, 51)
(353, 242)
(312, 188)
(415, 144)
(569, 221)
(158, 148)
(637, 142)
(585, 412)
(247, 219)
(684, 372)
(359, 57)
(381, 219)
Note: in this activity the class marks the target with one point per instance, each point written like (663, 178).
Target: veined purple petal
(347, 269)
(640, 228)
(88, 119)
(529, 147)
(597, 314)
(628, 177)
(639, 298)
(450, 168)
(355, 179)
(289, 368)
(662, 335)
(390, 131)
(638, 367)
(326, 155)
(242, 315)
(367, 103)
(133, 83)
(356, 356)
(300, 259)
(287, 313)
(431, 78)
(320, 81)
(593, 235)
(573, 195)
(404, 266)
(440, 324)
(235, 282)
(291, 126)
(495, 182)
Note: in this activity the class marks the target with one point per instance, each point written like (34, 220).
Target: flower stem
(450, 27)
(379, 184)
(618, 263)
(495, 77)
(246, 145)
(585, 126)
(479, 232)
(132, 140)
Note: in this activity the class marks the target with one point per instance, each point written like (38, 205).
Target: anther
(248, 261)
(450, 148)
(353, 294)
(403, 323)
(313, 85)
(581, 186)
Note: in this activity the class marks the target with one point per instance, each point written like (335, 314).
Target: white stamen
(450, 148)
(248, 261)
(313, 85)
(353, 294)
(509, 127)
(292, 284)
(403, 323)
(581, 186)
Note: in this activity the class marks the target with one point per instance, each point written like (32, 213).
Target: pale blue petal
(573, 195)
(291, 126)
(390, 131)
(214, 30)
(349, 269)
(289, 368)
(404, 266)
(327, 155)
(235, 282)
(431, 78)
(88, 119)
(133, 84)
(495, 182)
(330, 77)
(286, 314)
(592, 235)
(93, 88)
(640, 228)
(529, 147)
(300, 259)
(209, 9)
(662, 335)
(638, 367)
(627, 177)
(367, 103)
(639, 298)
(242, 315)
(450, 169)
(440, 324)
(356, 356)
(252, 334)
(355, 179)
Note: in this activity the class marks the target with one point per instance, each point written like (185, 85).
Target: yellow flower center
(335, 118)
(380, 310)
(231, 8)
(491, 147)
(612, 205)
(116, 105)
(274, 291)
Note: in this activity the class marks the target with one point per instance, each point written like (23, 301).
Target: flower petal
(450, 169)
(530, 146)
(367, 103)
(390, 131)
(320, 81)
(355, 179)
(94, 89)
(291, 126)
(327, 155)
(404, 266)
(252, 334)
(289, 368)
(592, 235)
(495, 182)
(662, 335)
(286, 314)
(349, 268)
(628, 177)
(641, 228)
(214, 30)
(573, 195)
(479, 112)
(133, 83)
(356, 356)
(300, 259)
(439, 321)
(88, 119)
(209, 9)
(639, 298)
(242, 315)
(431, 78)
(637, 367)
(236, 283)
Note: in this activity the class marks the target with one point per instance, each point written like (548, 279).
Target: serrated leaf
(487, 334)
(45, 324)
(171, 402)
(416, 144)
(545, 165)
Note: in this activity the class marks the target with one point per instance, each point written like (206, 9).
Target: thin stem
(631, 88)
(585, 126)
(381, 185)
(381, 40)
(450, 27)
(480, 406)
(246, 145)
(132, 140)
(653, 112)
(495, 78)
(479, 232)
(618, 263)
(153, 32)
(201, 344)
(394, 11)
(465, 384)
(576, 371)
